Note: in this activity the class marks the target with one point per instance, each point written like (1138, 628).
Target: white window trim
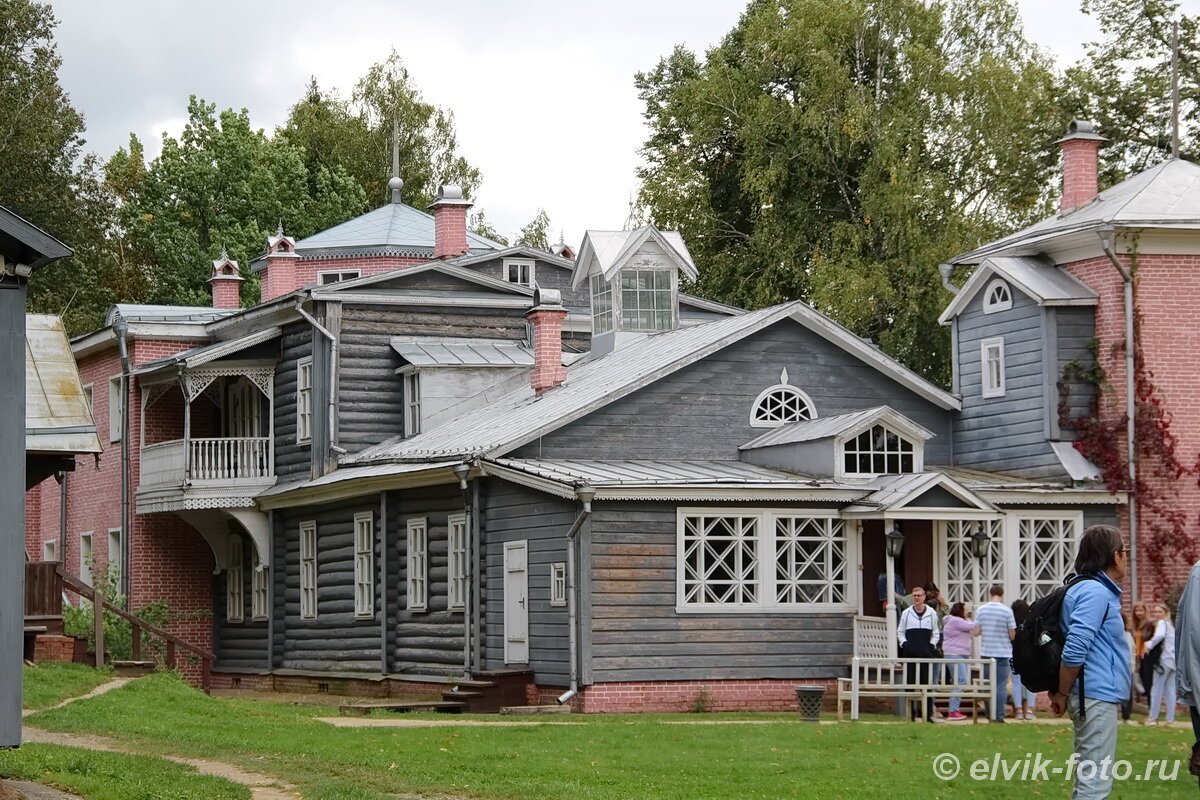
(754, 407)
(308, 569)
(839, 453)
(259, 590)
(610, 315)
(114, 408)
(235, 598)
(50, 551)
(558, 584)
(990, 306)
(411, 378)
(672, 292)
(89, 395)
(987, 389)
(342, 275)
(456, 548)
(766, 551)
(520, 263)
(114, 559)
(417, 561)
(304, 404)
(364, 565)
(85, 568)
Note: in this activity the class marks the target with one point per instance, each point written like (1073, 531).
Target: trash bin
(810, 699)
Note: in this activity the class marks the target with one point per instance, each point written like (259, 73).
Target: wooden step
(468, 685)
(533, 710)
(441, 706)
(134, 669)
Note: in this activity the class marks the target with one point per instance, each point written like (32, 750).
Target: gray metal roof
(583, 472)
(889, 492)
(1037, 277)
(132, 312)
(394, 224)
(522, 416)
(609, 250)
(210, 352)
(25, 243)
(436, 351)
(57, 416)
(1166, 195)
(825, 427)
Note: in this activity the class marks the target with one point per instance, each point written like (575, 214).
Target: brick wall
(303, 272)
(677, 696)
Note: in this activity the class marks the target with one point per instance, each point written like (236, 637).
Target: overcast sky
(542, 90)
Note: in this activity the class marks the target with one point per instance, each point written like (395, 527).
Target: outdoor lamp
(980, 542)
(895, 541)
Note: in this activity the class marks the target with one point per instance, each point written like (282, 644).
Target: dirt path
(115, 683)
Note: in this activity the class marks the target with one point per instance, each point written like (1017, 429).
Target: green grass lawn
(48, 684)
(606, 757)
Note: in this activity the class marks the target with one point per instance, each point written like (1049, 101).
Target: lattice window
(234, 574)
(602, 305)
(364, 564)
(258, 590)
(418, 565)
(997, 297)
(646, 300)
(558, 584)
(1045, 555)
(720, 560)
(457, 552)
(304, 370)
(810, 561)
(968, 578)
(878, 451)
(308, 570)
(779, 405)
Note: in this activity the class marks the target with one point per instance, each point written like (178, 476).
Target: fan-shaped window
(997, 297)
(780, 405)
(878, 451)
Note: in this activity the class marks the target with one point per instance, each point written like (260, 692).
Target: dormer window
(997, 297)
(519, 271)
(781, 404)
(646, 300)
(878, 451)
(602, 310)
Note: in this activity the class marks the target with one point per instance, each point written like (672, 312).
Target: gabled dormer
(633, 281)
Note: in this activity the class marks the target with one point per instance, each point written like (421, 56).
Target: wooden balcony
(204, 473)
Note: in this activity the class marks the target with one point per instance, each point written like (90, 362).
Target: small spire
(630, 222)
(1175, 89)
(279, 230)
(224, 253)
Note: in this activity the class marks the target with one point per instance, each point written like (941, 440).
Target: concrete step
(533, 710)
(134, 669)
(441, 706)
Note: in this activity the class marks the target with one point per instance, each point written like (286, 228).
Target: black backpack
(1039, 640)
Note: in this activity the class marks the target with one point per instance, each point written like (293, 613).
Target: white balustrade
(230, 459)
(870, 637)
(162, 464)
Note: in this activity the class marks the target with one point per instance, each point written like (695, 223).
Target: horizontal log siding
(515, 513)
(638, 636)
(1005, 434)
(1076, 331)
(427, 642)
(335, 640)
(703, 410)
(238, 644)
(292, 461)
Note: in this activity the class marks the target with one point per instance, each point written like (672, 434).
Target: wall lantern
(895, 541)
(980, 542)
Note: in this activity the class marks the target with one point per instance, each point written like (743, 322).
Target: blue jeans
(1095, 740)
(1021, 695)
(960, 679)
(999, 670)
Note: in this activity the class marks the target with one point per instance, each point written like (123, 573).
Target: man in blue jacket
(1097, 654)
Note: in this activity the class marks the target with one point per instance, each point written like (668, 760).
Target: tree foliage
(837, 150)
(537, 232)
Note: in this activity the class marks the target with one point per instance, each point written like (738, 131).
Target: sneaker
(1150, 723)
(1131, 722)
(956, 715)
(999, 721)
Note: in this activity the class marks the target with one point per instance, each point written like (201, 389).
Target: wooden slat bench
(887, 677)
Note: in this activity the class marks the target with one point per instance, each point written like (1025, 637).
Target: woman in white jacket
(1163, 688)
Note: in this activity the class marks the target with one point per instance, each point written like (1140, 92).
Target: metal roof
(436, 351)
(892, 492)
(825, 427)
(610, 250)
(1037, 277)
(210, 352)
(25, 243)
(523, 415)
(583, 472)
(58, 418)
(1166, 196)
(132, 312)
(394, 224)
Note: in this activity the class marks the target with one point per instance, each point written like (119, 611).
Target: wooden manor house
(425, 457)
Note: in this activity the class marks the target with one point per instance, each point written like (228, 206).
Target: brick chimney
(226, 282)
(449, 222)
(1081, 169)
(279, 276)
(547, 317)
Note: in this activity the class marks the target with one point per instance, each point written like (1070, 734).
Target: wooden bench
(887, 678)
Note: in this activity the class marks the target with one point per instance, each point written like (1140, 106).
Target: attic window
(878, 451)
(646, 300)
(998, 297)
(518, 271)
(337, 276)
(780, 405)
(602, 310)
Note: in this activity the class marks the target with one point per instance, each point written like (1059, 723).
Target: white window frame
(86, 558)
(308, 569)
(417, 561)
(304, 404)
(259, 593)
(114, 553)
(235, 599)
(50, 551)
(524, 267)
(328, 276)
(992, 304)
(765, 548)
(88, 395)
(991, 352)
(364, 565)
(1021, 583)
(602, 304)
(628, 312)
(456, 548)
(114, 409)
(558, 584)
(840, 471)
(759, 409)
(412, 402)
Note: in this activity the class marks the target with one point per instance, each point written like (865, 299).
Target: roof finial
(630, 222)
(224, 253)
(1175, 89)
(279, 230)
(396, 183)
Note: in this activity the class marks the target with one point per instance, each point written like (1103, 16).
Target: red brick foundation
(335, 685)
(53, 647)
(677, 696)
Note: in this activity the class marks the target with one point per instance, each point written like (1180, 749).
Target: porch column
(889, 612)
(187, 426)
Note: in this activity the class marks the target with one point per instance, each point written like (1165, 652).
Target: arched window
(997, 297)
(780, 405)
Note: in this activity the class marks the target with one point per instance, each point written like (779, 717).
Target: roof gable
(1037, 277)
(608, 251)
(390, 225)
(917, 493)
(840, 426)
(397, 277)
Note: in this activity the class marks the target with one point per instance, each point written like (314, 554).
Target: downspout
(1107, 241)
(62, 518)
(121, 329)
(584, 494)
(333, 371)
(462, 472)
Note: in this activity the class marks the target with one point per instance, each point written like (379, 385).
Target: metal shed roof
(1037, 277)
(824, 427)
(58, 418)
(210, 352)
(394, 224)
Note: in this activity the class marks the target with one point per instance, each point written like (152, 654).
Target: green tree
(537, 232)
(220, 185)
(837, 150)
(479, 223)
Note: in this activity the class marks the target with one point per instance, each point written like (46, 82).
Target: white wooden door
(516, 603)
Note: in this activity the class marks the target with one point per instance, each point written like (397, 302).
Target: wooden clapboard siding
(515, 513)
(292, 460)
(238, 644)
(637, 635)
(1010, 433)
(335, 640)
(703, 411)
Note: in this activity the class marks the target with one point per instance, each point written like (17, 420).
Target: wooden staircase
(486, 693)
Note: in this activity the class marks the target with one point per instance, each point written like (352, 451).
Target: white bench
(888, 678)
